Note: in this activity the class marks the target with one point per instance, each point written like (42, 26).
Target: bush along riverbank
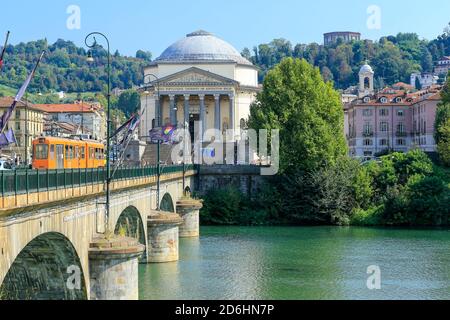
(402, 189)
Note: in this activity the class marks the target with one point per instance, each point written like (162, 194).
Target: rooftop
(67, 108)
(201, 46)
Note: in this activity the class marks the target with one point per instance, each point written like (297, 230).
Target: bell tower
(366, 86)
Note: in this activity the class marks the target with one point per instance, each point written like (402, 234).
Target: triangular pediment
(194, 77)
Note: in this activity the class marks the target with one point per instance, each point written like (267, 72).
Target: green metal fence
(24, 181)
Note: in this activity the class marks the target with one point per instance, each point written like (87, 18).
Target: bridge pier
(113, 266)
(163, 237)
(189, 209)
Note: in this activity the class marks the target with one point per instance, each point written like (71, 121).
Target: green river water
(303, 263)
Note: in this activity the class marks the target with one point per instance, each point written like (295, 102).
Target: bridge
(55, 242)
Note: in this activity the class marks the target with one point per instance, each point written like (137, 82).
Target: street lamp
(158, 124)
(90, 58)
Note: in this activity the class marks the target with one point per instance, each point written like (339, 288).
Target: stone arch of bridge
(48, 268)
(167, 203)
(130, 224)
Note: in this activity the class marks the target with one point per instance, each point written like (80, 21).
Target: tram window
(41, 151)
(67, 153)
(82, 153)
(52, 152)
(91, 152)
(77, 154)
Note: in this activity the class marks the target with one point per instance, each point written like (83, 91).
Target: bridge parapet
(24, 188)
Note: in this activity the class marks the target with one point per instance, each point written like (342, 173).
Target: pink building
(392, 119)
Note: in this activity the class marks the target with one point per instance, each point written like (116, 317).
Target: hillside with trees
(393, 58)
(65, 68)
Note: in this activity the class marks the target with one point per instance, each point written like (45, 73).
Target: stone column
(232, 116)
(113, 268)
(173, 115)
(186, 111)
(202, 116)
(189, 209)
(163, 237)
(217, 115)
(158, 111)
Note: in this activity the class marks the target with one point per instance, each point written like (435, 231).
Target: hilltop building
(442, 66)
(425, 79)
(346, 36)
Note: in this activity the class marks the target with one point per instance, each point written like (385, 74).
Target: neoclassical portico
(202, 80)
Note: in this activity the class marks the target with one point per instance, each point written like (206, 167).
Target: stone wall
(246, 178)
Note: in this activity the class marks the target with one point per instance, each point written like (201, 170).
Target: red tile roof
(6, 102)
(67, 108)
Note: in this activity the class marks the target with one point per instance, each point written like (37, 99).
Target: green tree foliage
(442, 125)
(444, 143)
(408, 190)
(306, 110)
(129, 102)
(64, 67)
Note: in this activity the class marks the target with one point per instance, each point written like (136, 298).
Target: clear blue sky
(154, 24)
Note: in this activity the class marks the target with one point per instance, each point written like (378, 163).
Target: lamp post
(90, 58)
(158, 148)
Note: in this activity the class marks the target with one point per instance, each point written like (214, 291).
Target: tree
(444, 143)
(307, 111)
(129, 102)
(144, 55)
(427, 60)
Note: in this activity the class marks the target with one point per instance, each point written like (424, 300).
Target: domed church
(199, 78)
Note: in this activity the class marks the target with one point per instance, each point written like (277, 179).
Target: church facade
(200, 79)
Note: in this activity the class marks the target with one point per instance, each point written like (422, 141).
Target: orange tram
(60, 153)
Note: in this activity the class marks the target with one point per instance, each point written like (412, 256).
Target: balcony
(368, 134)
(401, 134)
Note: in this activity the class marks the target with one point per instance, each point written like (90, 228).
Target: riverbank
(399, 190)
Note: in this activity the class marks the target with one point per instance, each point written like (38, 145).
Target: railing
(26, 181)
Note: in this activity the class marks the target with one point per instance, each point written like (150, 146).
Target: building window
(368, 153)
(384, 112)
(383, 100)
(384, 142)
(400, 113)
(401, 142)
(401, 128)
(367, 129)
(367, 113)
(384, 127)
(368, 142)
(18, 125)
(17, 114)
(366, 100)
(398, 99)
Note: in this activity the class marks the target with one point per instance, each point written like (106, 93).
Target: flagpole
(92, 45)
(7, 115)
(4, 50)
(158, 148)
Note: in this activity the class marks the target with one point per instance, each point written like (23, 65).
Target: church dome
(366, 69)
(201, 46)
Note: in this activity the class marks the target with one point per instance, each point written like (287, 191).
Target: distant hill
(393, 58)
(64, 68)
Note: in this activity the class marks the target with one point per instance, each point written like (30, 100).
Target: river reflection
(303, 263)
